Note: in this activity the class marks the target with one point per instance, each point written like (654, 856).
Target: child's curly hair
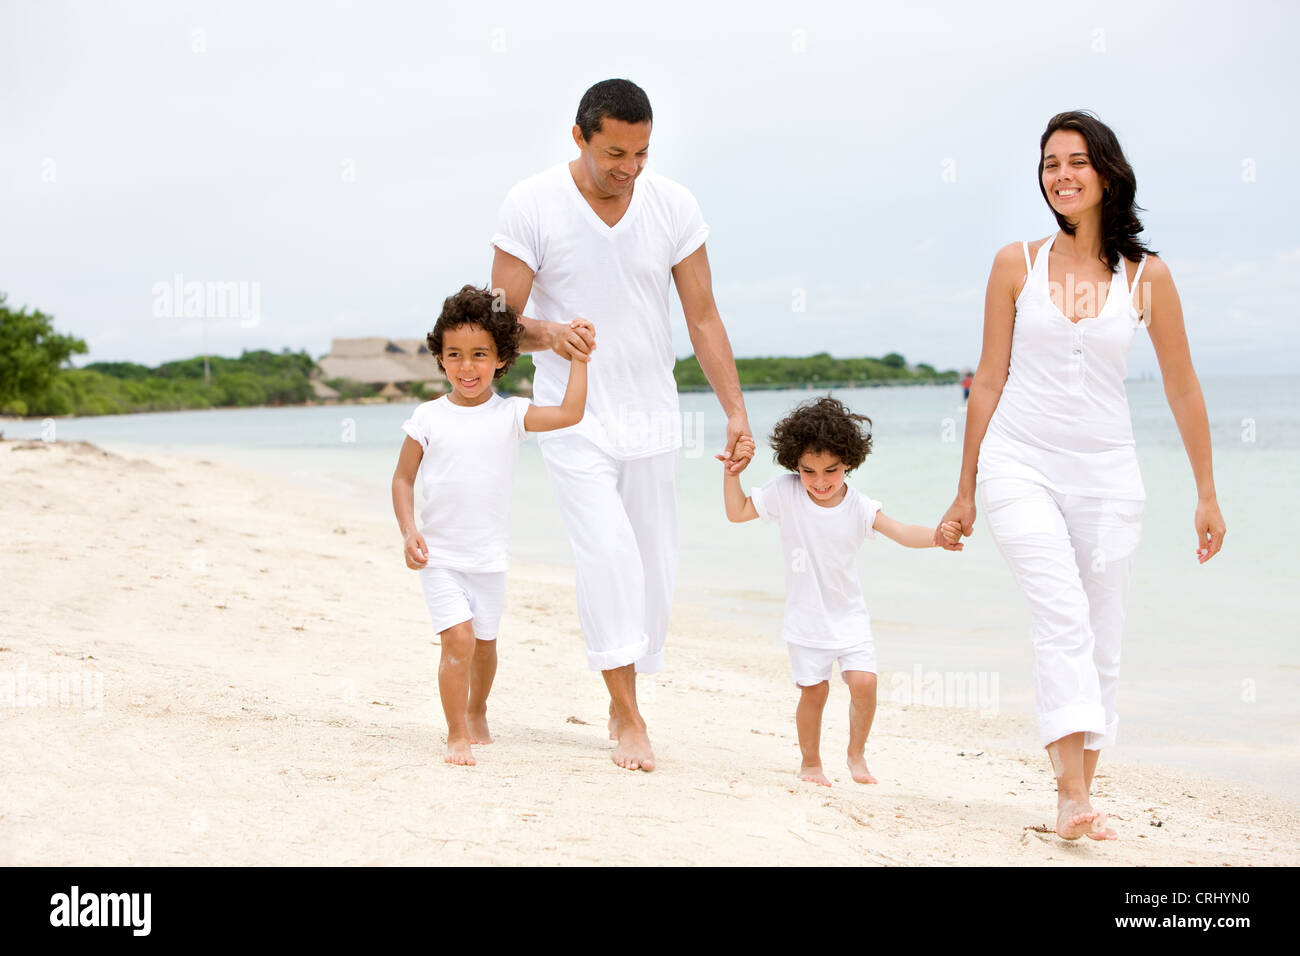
(491, 313)
(822, 425)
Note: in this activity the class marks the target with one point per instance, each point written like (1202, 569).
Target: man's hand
(744, 451)
(576, 340)
(737, 458)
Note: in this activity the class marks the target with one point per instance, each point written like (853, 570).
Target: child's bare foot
(814, 774)
(633, 751)
(858, 767)
(1075, 818)
(459, 753)
(478, 727)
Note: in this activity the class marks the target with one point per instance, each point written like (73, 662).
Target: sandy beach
(200, 664)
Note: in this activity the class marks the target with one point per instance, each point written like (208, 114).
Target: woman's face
(1072, 183)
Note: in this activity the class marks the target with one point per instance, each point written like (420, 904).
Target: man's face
(615, 155)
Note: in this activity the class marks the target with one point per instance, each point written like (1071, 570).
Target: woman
(1049, 440)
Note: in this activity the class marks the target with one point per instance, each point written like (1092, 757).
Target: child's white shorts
(457, 596)
(812, 665)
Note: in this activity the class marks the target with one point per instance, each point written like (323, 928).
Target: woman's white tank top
(1063, 418)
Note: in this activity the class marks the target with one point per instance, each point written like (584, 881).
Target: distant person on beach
(966, 381)
(823, 523)
(465, 444)
(600, 237)
(1049, 440)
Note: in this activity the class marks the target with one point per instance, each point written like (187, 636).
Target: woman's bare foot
(459, 753)
(858, 767)
(478, 727)
(1076, 818)
(633, 751)
(814, 774)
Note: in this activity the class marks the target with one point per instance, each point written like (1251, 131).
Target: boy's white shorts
(457, 596)
(812, 665)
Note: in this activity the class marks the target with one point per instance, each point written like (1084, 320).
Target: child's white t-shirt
(468, 470)
(619, 278)
(824, 606)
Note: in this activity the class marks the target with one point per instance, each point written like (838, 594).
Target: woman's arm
(1163, 313)
(1005, 282)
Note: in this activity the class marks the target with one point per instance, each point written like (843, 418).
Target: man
(595, 240)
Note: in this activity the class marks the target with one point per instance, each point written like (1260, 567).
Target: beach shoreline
(221, 667)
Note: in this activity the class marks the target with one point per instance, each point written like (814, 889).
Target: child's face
(822, 474)
(469, 357)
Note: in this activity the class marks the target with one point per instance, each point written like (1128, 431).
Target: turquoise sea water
(1211, 672)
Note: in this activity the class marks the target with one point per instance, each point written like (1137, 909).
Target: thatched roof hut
(382, 363)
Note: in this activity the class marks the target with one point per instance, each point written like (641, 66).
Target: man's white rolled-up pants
(1073, 558)
(621, 517)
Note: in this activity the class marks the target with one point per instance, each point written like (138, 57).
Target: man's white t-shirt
(468, 470)
(824, 606)
(619, 278)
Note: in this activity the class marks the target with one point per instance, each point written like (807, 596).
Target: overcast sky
(346, 160)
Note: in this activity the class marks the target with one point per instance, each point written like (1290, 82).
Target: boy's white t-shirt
(618, 278)
(824, 606)
(468, 470)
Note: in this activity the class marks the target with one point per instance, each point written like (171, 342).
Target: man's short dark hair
(621, 99)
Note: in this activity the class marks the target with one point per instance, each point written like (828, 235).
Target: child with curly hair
(466, 444)
(823, 522)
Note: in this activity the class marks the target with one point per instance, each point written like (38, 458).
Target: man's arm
(512, 277)
(712, 347)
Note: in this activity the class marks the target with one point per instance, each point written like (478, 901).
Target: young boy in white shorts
(466, 444)
(823, 523)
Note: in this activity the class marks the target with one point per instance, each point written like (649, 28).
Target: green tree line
(35, 379)
(814, 370)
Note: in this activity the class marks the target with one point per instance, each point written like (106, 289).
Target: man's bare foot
(459, 753)
(1076, 818)
(814, 774)
(478, 728)
(633, 751)
(858, 767)
(613, 723)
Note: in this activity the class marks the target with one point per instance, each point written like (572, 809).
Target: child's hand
(950, 532)
(744, 449)
(417, 552)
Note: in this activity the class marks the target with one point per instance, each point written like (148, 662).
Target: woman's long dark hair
(1120, 225)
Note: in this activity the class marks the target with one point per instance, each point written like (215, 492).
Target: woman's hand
(961, 511)
(1209, 530)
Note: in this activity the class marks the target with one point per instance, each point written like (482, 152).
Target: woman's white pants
(621, 517)
(1073, 558)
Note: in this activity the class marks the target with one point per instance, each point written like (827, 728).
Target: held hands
(948, 534)
(417, 552)
(1209, 530)
(740, 447)
(960, 513)
(576, 340)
